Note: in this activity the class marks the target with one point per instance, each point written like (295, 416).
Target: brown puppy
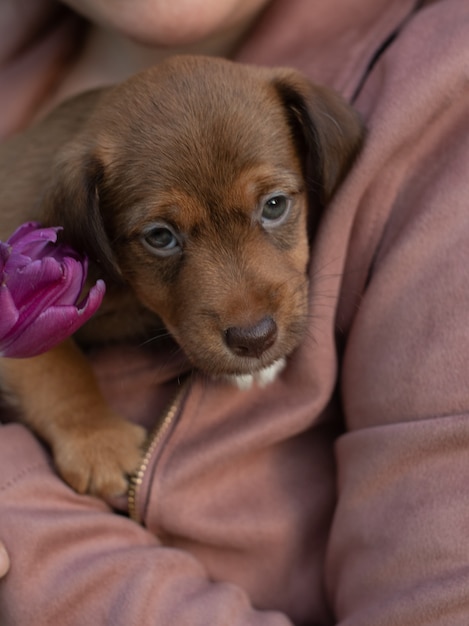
(195, 188)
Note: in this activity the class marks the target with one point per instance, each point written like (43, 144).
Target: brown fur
(195, 143)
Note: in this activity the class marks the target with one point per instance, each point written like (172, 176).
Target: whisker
(159, 335)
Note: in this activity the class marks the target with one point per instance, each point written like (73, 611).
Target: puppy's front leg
(57, 395)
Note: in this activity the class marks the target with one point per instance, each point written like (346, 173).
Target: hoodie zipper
(153, 442)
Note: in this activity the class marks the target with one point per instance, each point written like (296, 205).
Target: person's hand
(4, 560)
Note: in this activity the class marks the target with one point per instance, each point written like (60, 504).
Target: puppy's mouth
(262, 377)
(243, 354)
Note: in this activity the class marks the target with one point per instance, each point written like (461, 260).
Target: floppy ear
(72, 200)
(327, 130)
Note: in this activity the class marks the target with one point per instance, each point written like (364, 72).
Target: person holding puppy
(337, 494)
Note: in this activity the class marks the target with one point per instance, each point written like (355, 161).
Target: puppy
(195, 189)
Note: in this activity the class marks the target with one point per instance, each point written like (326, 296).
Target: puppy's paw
(98, 459)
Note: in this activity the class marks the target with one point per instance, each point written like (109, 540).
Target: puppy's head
(199, 183)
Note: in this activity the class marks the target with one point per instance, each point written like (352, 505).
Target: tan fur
(196, 143)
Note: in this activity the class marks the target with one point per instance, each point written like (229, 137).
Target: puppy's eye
(161, 240)
(274, 209)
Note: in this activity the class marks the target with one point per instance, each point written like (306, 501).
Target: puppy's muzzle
(252, 341)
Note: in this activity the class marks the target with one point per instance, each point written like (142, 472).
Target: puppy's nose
(251, 341)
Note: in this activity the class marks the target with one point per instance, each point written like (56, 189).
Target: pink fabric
(332, 42)
(339, 494)
(37, 41)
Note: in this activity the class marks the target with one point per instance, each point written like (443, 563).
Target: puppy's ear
(327, 130)
(72, 200)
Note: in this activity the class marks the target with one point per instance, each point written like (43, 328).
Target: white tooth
(263, 377)
(243, 381)
(269, 374)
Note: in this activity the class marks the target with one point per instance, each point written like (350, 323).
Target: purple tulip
(41, 282)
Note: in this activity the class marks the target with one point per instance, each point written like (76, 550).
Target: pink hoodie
(339, 495)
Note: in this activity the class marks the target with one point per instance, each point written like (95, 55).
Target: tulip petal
(30, 242)
(30, 239)
(51, 281)
(9, 312)
(22, 231)
(36, 278)
(73, 281)
(28, 245)
(5, 250)
(52, 326)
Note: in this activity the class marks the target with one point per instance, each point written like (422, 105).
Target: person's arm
(399, 549)
(74, 561)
